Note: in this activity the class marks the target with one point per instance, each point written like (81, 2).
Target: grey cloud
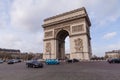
(102, 12)
(29, 14)
(8, 40)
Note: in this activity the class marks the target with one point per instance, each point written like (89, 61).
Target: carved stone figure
(48, 34)
(48, 47)
(78, 45)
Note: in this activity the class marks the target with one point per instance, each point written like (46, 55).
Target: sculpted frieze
(48, 34)
(63, 24)
(77, 28)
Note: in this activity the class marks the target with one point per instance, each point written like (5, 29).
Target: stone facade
(112, 54)
(76, 25)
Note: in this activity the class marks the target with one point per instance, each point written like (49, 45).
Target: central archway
(60, 41)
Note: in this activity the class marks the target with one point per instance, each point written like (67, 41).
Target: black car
(75, 60)
(69, 60)
(72, 60)
(34, 64)
(10, 61)
(115, 60)
(19, 60)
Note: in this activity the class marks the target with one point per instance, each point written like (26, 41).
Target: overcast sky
(21, 20)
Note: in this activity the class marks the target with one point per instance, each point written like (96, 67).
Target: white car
(1, 61)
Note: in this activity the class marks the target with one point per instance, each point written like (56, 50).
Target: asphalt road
(75, 71)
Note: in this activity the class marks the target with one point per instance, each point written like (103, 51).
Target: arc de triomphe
(76, 25)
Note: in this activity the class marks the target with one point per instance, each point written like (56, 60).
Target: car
(75, 60)
(114, 60)
(17, 60)
(10, 61)
(34, 64)
(1, 61)
(69, 60)
(52, 61)
(72, 60)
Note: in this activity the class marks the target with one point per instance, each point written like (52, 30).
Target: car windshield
(34, 61)
(10, 60)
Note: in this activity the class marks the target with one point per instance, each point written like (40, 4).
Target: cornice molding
(50, 21)
(66, 13)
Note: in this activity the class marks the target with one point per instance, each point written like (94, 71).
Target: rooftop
(114, 51)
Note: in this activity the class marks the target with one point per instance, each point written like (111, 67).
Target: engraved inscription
(78, 45)
(77, 28)
(48, 34)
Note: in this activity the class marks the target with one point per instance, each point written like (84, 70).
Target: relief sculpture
(77, 28)
(78, 45)
(48, 34)
(48, 47)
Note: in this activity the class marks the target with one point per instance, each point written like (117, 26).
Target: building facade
(112, 54)
(9, 50)
(9, 53)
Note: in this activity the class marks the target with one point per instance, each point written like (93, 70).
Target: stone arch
(57, 30)
(60, 43)
(76, 25)
(62, 34)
